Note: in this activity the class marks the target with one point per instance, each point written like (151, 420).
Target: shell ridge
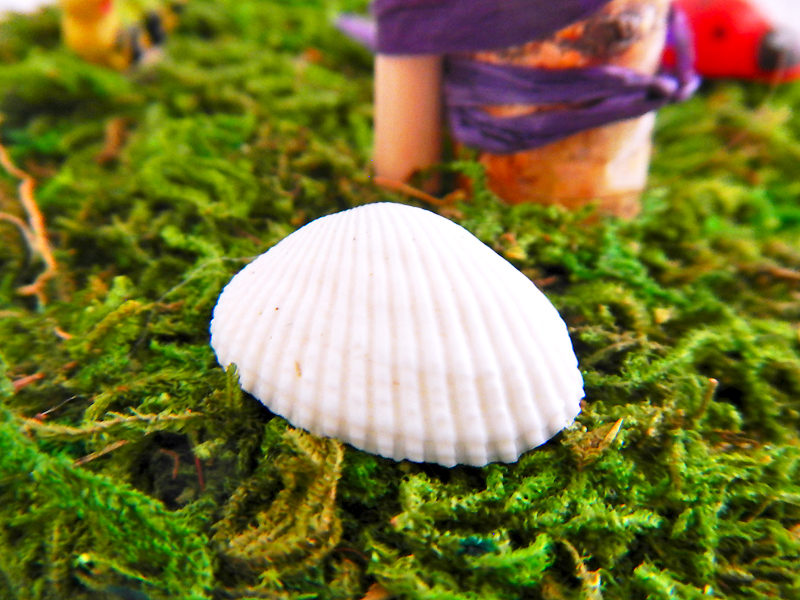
(564, 381)
(241, 294)
(462, 398)
(377, 340)
(282, 287)
(320, 387)
(557, 329)
(466, 266)
(391, 236)
(509, 301)
(358, 418)
(555, 402)
(356, 338)
(231, 313)
(517, 388)
(382, 338)
(273, 284)
(224, 313)
(464, 403)
(278, 283)
(423, 307)
(279, 363)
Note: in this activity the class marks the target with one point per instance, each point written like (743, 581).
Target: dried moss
(133, 467)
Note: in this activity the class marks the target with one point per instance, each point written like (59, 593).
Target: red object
(737, 38)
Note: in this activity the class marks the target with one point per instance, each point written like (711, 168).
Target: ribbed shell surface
(396, 330)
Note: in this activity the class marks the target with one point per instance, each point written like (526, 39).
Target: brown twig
(22, 382)
(115, 134)
(90, 457)
(60, 333)
(26, 380)
(34, 230)
(19, 224)
(408, 190)
(783, 272)
(545, 281)
(41, 416)
(713, 384)
(198, 467)
(176, 460)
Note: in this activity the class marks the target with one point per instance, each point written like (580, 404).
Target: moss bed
(132, 467)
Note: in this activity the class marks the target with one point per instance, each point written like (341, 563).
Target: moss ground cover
(132, 467)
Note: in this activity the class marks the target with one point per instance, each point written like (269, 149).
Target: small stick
(90, 457)
(408, 190)
(45, 413)
(21, 225)
(176, 460)
(713, 384)
(198, 467)
(36, 232)
(783, 272)
(26, 381)
(545, 281)
(115, 134)
(62, 334)
(612, 434)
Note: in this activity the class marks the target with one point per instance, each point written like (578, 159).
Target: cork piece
(607, 165)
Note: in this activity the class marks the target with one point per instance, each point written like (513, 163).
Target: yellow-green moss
(132, 466)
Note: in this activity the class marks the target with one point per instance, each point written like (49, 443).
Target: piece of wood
(607, 165)
(408, 114)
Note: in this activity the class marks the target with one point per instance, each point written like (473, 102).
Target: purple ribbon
(446, 26)
(581, 99)
(360, 29)
(567, 100)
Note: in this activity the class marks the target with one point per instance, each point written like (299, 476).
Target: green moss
(132, 466)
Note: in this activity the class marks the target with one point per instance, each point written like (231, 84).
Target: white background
(22, 5)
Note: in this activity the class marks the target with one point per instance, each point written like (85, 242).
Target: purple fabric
(361, 29)
(581, 99)
(445, 26)
(578, 99)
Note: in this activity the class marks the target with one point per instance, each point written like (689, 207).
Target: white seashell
(398, 331)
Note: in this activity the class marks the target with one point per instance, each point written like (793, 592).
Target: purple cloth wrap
(579, 99)
(360, 29)
(583, 99)
(445, 26)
